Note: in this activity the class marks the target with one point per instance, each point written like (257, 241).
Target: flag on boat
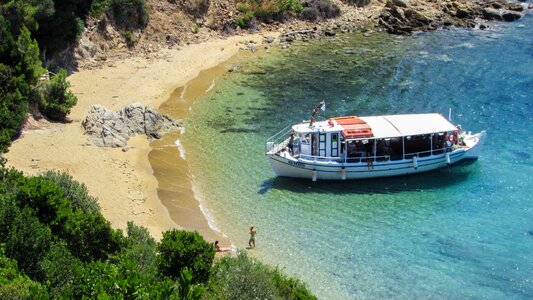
(323, 105)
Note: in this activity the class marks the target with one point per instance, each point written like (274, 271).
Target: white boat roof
(389, 126)
(405, 125)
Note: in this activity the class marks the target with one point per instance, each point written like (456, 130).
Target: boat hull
(336, 170)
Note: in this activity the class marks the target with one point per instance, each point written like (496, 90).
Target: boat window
(334, 145)
(322, 144)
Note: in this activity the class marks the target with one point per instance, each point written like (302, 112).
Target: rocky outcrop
(113, 129)
(406, 16)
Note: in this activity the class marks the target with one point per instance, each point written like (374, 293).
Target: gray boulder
(113, 129)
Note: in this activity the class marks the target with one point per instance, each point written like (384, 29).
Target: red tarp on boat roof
(354, 127)
(349, 120)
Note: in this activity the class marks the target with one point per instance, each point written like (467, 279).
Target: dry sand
(123, 182)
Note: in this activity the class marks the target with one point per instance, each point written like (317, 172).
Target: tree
(55, 99)
(183, 249)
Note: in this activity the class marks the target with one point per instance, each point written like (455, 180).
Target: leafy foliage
(66, 250)
(266, 10)
(243, 277)
(55, 99)
(21, 67)
(183, 249)
(130, 14)
(74, 191)
(16, 285)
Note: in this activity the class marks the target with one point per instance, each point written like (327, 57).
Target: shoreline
(124, 182)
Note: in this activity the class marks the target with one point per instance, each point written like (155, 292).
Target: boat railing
(278, 141)
(377, 158)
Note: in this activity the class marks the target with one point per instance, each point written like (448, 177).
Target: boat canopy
(390, 126)
(406, 125)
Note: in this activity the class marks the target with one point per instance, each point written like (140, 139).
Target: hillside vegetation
(55, 243)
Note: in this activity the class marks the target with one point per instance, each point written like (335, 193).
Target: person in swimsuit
(251, 242)
(220, 249)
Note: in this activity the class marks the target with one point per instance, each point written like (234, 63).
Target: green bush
(90, 237)
(74, 191)
(266, 10)
(130, 14)
(58, 267)
(139, 248)
(243, 277)
(183, 249)
(26, 239)
(16, 285)
(98, 7)
(45, 198)
(56, 99)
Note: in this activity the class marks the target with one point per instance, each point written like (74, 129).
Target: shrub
(58, 266)
(245, 20)
(243, 277)
(45, 198)
(319, 9)
(130, 14)
(266, 10)
(55, 99)
(98, 7)
(15, 285)
(309, 13)
(183, 249)
(74, 191)
(240, 278)
(26, 239)
(90, 237)
(139, 248)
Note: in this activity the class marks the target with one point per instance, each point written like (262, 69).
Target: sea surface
(459, 232)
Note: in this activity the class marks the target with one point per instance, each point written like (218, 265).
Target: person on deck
(290, 145)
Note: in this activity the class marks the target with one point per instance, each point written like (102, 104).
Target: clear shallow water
(461, 232)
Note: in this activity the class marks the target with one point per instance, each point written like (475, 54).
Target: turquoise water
(459, 232)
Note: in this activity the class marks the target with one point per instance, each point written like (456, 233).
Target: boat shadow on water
(435, 179)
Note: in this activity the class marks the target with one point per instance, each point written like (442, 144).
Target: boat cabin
(378, 138)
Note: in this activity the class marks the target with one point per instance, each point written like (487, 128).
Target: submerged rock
(113, 129)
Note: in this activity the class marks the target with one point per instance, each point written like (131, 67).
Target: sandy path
(123, 182)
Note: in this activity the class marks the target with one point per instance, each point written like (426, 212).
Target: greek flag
(323, 105)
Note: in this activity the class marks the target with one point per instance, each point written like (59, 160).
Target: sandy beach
(124, 182)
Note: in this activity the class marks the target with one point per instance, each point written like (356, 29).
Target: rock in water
(113, 129)
(491, 14)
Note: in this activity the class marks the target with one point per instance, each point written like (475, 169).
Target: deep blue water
(459, 232)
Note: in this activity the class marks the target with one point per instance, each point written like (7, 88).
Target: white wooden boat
(353, 147)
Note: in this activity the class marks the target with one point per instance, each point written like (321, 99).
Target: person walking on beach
(251, 242)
